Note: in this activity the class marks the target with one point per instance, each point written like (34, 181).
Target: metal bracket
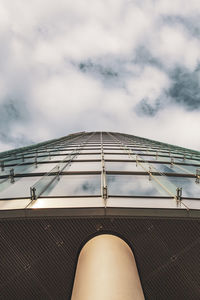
(105, 192)
(33, 194)
(197, 176)
(156, 155)
(179, 194)
(36, 161)
(12, 180)
(2, 165)
(150, 169)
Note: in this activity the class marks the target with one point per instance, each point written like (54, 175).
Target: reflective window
(133, 185)
(168, 168)
(189, 187)
(123, 166)
(75, 185)
(114, 151)
(114, 156)
(90, 157)
(20, 188)
(57, 157)
(42, 168)
(85, 166)
(90, 151)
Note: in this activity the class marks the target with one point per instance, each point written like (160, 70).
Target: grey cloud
(106, 72)
(15, 141)
(148, 109)
(190, 25)
(12, 113)
(185, 89)
(143, 57)
(111, 71)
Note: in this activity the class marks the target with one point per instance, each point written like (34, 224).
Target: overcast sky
(130, 66)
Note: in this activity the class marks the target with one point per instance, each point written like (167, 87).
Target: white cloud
(149, 84)
(43, 43)
(175, 46)
(177, 7)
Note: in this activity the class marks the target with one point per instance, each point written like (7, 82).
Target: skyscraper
(63, 197)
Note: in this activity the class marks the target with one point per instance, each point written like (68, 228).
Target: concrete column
(106, 270)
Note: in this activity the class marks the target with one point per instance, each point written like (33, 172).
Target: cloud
(118, 65)
(185, 89)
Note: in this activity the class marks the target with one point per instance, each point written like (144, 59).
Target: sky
(130, 66)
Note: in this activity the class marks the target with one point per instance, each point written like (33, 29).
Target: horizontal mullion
(52, 162)
(99, 196)
(99, 172)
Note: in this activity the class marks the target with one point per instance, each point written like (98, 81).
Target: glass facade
(100, 169)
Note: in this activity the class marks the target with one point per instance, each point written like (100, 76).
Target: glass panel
(143, 203)
(20, 188)
(90, 157)
(85, 166)
(61, 152)
(146, 157)
(12, 161)
(114, 151)
(107, 147)
(113, 156)
(42, 168)
(189, 161)
(58, 157)
(68, 202)
(123, 166)
(86, 147)
(23, 168)
(74, 185)
(186, 169)
(162, 158)
(165, 168)
(133, 185)
(189, 187)
(90, 151)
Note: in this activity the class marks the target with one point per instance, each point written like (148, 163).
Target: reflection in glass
(74, 185)
(85, 166)
(114, 151)
(42, 168)
(90, 151)
(90, 157)
(117, 156)
(133, 185)
(189, 187)
(162, 168)
(20, 188)
(123, 166)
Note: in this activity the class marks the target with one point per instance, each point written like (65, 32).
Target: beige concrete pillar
(106, 270)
